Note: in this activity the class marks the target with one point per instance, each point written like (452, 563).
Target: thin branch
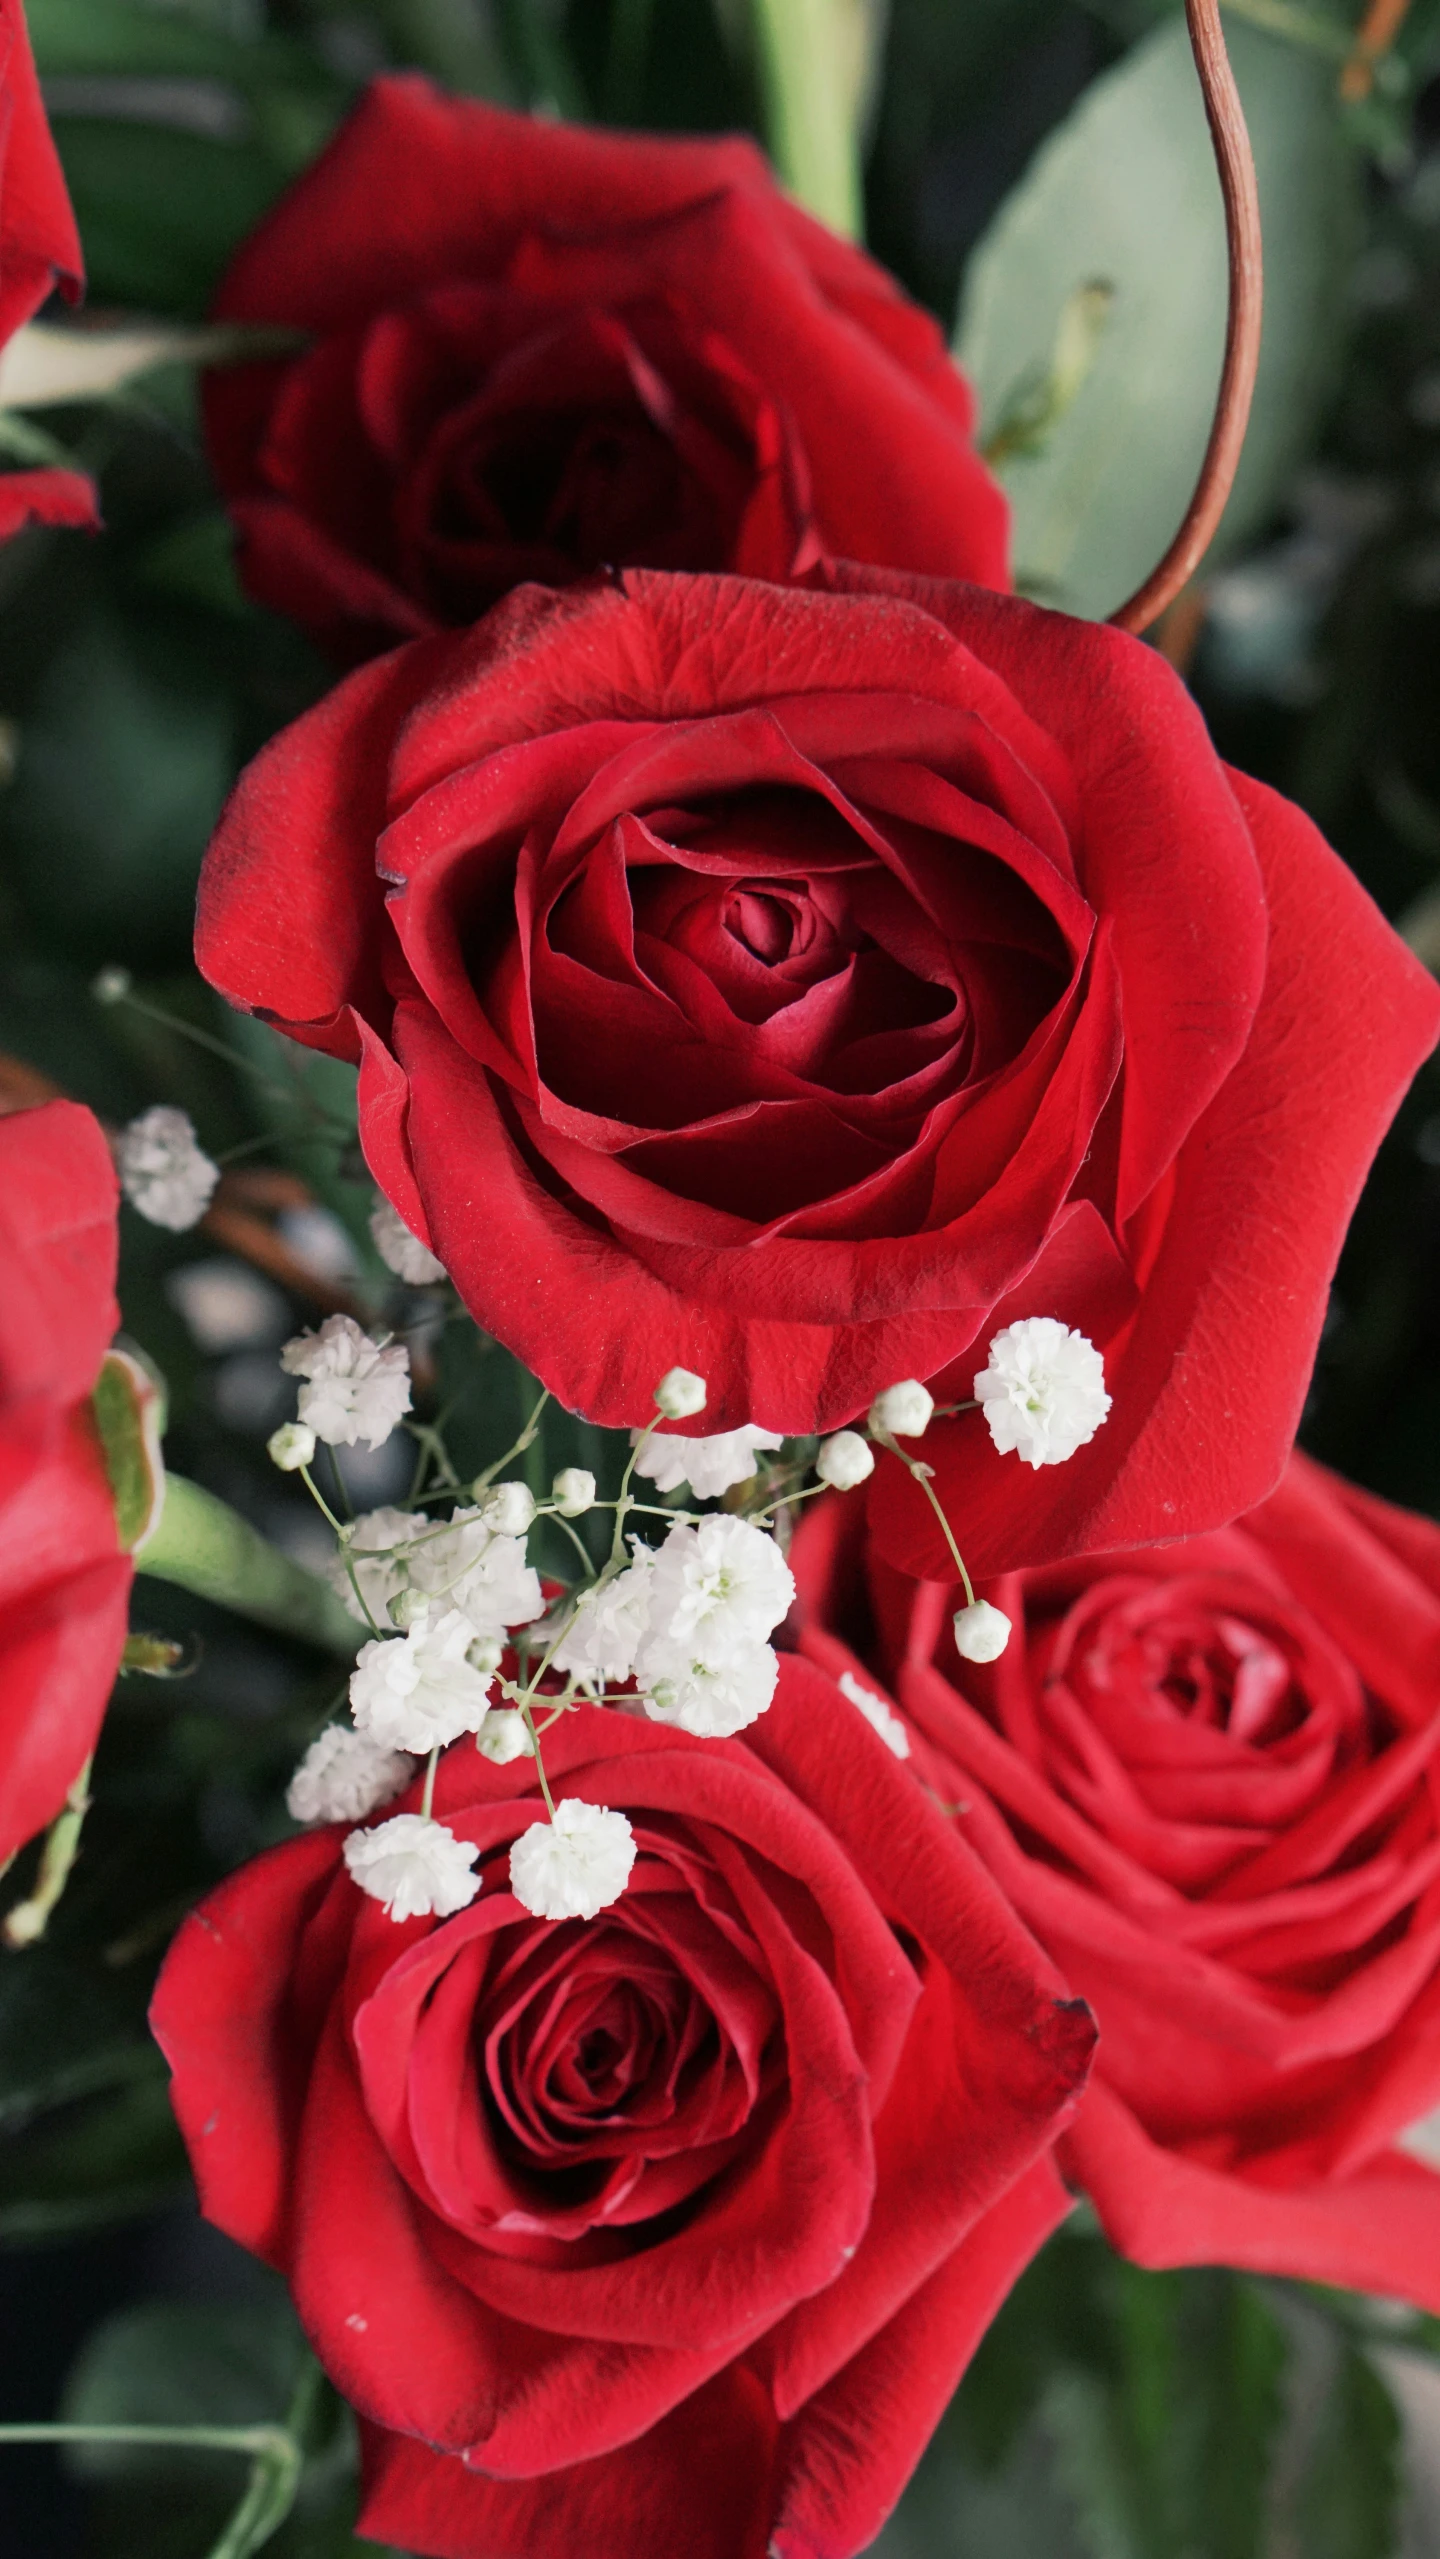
(1374, 36)
(1236, 167)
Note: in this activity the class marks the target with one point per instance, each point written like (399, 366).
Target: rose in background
(1206, 1778)
(39, 248)
(537, 351)
(64, 1582)
(673, 2228)
(798, 985)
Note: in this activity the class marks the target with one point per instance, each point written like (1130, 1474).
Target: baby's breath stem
(917, 1468)
(428, 1798)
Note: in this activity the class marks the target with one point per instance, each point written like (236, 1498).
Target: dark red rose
(39, 248)
(64, 1582)
(667, 2232)
(795, 985)
(1206, 1777)
(538, 351)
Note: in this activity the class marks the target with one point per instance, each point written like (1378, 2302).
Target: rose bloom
(1205, 1775)
(536, 351)
(39, 248)
(64, 1582)
(668, 2230)
(797, 985)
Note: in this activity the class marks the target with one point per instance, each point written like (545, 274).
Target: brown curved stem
(1374, 36)
(1236, 167)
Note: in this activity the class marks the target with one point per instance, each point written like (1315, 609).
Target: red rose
(538, 351)
(792, 985)
(1207, 1779)
(39, 248)
(64, 1582)
(666, 2232)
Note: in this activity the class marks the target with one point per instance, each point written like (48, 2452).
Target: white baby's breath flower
(417, 1691)
(356, 1388)
(876, 1712)
(399, 1250)
(981, 1632)
(711, 1691)
(600, 1642)
(417, 1868)
(508, 1510)
(164, 1171)
(1043, 1392)
(845, 1461)
(708, 1466)
(504, 1736)
(572, 1867)
(721, 1578)
(680, 1394)
(381, 1575)
(344, 1775)
(482, 1573)
(903, 1411)
(291, 1447)
(573, 1492)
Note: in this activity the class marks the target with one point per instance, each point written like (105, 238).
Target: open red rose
(1209, 1779)
(793, 985)
(64, 1582)
(538, 351)
(39, 248)
(667, 2232)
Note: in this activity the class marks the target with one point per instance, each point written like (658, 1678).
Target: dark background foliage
(1111, 2414)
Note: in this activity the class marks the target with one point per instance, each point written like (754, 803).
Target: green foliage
(1348, 2504)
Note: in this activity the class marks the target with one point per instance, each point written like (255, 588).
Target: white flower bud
(507, 1510)
(981, 1632)
(573, 1492)
(1043, 1392)
(407, 1608)
(344, 1775)
(845, 1461)
(164, 1172)
(572, 1867)
(356, 1388)
(417, 1868)
(504, 1736)
(680, 1393)
(485, 1654)
(903, 1411)
(400, 1251)
(708, 1466)
(291, 1447)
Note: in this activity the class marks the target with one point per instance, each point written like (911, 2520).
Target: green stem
(25, 1925)
(916, 1467)
(200, 1544)
(807, 91)
(257, 2441)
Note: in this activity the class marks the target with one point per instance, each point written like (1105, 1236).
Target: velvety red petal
(39, 244)
(51, 496)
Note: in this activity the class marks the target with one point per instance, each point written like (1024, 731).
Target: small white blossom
(720, 1579)
(1043, 1391)
(903, 1411)
(344, 1775)
(572, 1867)
(681, 1393)
(508, 1510)
(355, 1388)
(417, 1868)
(981, 1632)
(400, 1251)
(418, 1691)
(875, 1711)
(708, 1466)
(845, 1461)
(504, 1736)
(711, 1692)
(573, 1492)
(472, 1568)
(291, 1447)
(164, 1172)
(381, 1575)
(601, 1640)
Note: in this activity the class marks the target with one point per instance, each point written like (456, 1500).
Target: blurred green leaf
(1348, 2505)
(1125, 193)
(162, 212)
(174, 2363)
(83, 2168)
(66, 2030)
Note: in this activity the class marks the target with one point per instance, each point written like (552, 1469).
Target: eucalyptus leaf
(1125, 194)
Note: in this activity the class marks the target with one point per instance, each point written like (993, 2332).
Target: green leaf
(1125, 194)
(1347, 2506)
(81, 2169)
(67, 2030)
(162, 212)
(176, 2364)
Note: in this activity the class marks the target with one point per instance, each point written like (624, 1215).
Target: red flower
(794, 985)
(39, 248)
(669, 2230)
(1207, 1779)
(538, 351)
(64, 1582)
